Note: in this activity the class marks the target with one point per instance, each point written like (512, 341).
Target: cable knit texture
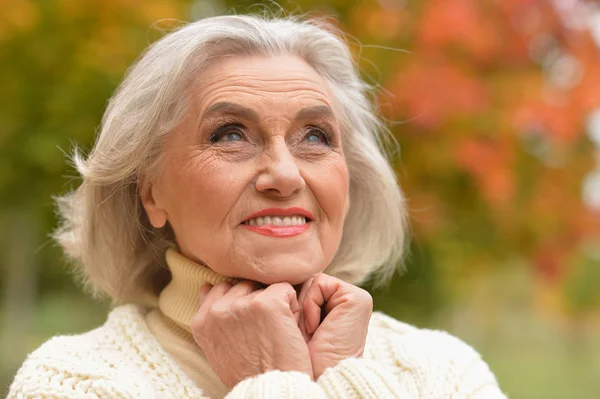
(147, 353)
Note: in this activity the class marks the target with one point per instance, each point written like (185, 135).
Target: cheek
(205, 188)
(331, 189)
(330, 186)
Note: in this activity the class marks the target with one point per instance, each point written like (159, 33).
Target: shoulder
(387, 331)
(104, 362)
(405, 340)
(434, 360)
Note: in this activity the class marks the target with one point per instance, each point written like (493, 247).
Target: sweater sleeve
(277, 384)
(362, 378)
(462, 371)
(478, 382)
(404, 362)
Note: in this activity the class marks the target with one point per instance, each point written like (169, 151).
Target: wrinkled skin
(262, 132)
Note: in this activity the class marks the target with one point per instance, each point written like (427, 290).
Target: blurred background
(495, 104)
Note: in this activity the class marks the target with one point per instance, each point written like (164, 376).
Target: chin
(294, 276)
(293, 280)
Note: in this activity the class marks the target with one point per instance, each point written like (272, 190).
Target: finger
(254, 294)
(284, 292)
(244, 288)
(204, 290)
(311, 308)
(306, 307)
(319, 294)
(302, 327)
(295, 307)
(304, 290)
(215, 293)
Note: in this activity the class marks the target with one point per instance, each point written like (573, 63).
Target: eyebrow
(318, 111)
(230, 109)
(314, 112)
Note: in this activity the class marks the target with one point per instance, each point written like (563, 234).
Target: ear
(151, 201)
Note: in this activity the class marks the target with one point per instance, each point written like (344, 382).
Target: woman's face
(261, 135)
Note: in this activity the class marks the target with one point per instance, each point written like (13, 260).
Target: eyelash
(237, 128)
(225, 129)
(324, 134)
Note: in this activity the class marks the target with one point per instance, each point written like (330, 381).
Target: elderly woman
(234, 197)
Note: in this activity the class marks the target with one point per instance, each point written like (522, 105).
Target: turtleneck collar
(180, 299)
(170, 321)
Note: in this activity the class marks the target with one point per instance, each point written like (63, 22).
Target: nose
(280, 175)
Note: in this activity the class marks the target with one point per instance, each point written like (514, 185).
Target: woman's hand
(335, 320)
(245, 330)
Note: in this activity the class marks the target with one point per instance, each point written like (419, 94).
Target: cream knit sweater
(142, 353)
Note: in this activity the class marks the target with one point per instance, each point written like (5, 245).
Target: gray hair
(104, 228)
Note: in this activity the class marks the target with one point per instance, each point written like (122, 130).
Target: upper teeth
(277, 220)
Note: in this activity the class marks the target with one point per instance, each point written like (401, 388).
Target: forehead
(261, 81)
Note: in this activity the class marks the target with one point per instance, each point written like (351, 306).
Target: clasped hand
(246, 329)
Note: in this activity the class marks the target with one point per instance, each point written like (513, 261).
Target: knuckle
(363, 297)
(367, 297)
(285, 293)
(220, 311)
(275, 286)
(279, 290)
(239, 307)
(198, 323)
(260, 303)
(287, 289)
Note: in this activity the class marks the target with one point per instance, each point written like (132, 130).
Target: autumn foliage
(494, 97)
(488, 100)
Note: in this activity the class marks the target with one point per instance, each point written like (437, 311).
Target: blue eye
(227, 133)
(317, 136)
(232, 137)
(313, 138)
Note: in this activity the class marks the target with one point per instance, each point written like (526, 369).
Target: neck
(180, 299)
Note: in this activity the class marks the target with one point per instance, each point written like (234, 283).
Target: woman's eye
(232, 137)
(317, 136)
(227, 133)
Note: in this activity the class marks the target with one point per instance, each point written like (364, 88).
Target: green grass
(545, 373)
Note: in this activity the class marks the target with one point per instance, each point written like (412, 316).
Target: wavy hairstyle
(104, 228)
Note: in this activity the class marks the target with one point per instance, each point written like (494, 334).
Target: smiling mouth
(278, 226)
(278, 221)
